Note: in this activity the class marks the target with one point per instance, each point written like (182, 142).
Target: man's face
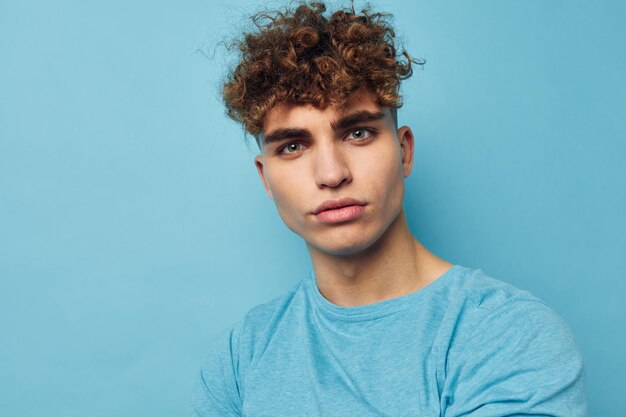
(336, 175)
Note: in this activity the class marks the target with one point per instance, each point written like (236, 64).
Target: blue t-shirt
(465, 345)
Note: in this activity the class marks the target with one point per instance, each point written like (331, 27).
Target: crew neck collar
(377, 309)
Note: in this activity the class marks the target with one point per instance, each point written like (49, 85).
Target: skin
(306, 159)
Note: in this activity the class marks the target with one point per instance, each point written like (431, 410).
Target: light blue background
(133, 226)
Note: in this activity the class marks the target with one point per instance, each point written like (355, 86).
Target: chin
(343, 247)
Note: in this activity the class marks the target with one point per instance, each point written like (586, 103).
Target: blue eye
(360, 134)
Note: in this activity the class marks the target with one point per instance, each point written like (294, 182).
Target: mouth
(336, 211)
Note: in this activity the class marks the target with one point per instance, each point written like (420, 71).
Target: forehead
(300, 115)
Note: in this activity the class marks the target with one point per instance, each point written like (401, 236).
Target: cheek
(385, 174)
(286, 191)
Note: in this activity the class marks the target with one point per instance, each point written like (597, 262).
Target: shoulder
(262, 317)
(510, 345)
(252, 332)
(485, 306)
(485, 292)
(218, 387)
(470, 296)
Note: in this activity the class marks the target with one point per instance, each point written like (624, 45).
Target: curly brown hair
(302, 56)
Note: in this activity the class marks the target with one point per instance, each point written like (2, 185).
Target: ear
(258, 161)
(405, 135)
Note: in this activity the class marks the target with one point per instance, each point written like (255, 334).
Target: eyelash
(282, 148)
(370, 133)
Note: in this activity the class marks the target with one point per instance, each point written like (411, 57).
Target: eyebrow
(345, 122)
(362, 116)
(286, 133)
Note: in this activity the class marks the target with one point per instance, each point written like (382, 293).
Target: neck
(395, 265)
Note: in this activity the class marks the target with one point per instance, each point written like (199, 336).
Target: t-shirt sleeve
(521, 359)
(216, 390)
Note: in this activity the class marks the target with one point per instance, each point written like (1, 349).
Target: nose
(331, 169)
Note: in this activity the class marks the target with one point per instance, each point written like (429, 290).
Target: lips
(337, 204)
(335, 211)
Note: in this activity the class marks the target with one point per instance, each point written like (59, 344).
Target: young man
(382, 327)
